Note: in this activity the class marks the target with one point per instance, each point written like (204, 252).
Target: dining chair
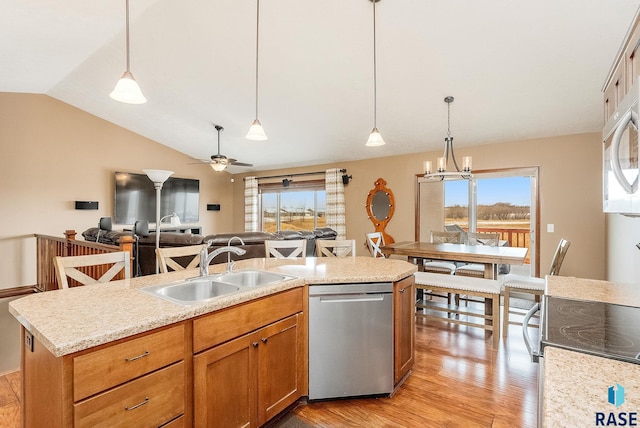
(167, 257)
(336, 248)
(477, 238)
(292, 248)
(475, 270)
(438, 266)
(95, 268)
(529, 284)
(374, 241)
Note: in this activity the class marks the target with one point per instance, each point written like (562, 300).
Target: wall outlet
(28, 340)
(550, 227)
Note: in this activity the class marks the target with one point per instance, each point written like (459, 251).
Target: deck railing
(48, 247)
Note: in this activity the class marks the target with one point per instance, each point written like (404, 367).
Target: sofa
(253, 243)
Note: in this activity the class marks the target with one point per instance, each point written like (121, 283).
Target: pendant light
(375, 139)
(441, 172)
(256, 132)
(127, 89)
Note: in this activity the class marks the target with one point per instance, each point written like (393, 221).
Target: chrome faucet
(206, 257)
(230, 263)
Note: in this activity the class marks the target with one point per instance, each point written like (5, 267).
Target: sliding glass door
(503, 201)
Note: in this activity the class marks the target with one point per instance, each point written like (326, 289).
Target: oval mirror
(380, 207)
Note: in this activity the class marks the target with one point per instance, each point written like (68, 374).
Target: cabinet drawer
(100, 370)
(226, 324)
(148, 401)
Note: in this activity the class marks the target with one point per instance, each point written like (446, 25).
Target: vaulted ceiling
(518, 70)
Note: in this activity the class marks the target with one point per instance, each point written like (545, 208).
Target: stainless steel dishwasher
(350, 340)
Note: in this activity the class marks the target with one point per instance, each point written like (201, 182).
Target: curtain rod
(295, 175)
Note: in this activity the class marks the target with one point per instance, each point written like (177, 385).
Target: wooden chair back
(336, 248)
(94, 265)
(483, 238)
(290, 248)
(441, 237)
(375, 240)
(166, 257)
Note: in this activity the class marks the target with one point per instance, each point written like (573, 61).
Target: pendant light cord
(257, 41)
(127, 36)
(375, 75)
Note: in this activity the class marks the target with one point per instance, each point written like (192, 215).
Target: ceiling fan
(219, 161)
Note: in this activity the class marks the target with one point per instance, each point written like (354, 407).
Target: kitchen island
(75, 339)
(574, 385)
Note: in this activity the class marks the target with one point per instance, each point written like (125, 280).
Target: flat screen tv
(135, 198)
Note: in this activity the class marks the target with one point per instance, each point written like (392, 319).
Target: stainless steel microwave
(620, 168)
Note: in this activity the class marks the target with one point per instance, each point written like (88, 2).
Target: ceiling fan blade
(241, 164)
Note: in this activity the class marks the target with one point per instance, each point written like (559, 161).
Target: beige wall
(570, 194)
(54, 154)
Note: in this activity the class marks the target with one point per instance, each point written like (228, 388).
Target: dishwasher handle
(353, 298)
(534, 353)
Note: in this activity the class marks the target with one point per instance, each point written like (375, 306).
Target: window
(301, 206)
(504, 201)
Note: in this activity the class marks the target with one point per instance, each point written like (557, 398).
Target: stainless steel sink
(192, 291)
(252, 278)
(196, 290)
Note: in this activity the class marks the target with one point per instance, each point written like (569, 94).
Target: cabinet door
(279, 377)
(404, 326)
(225, 384)
(615, 90)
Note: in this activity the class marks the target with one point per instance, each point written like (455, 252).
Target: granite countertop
(71, 320)
(576, 387)
(592, 289)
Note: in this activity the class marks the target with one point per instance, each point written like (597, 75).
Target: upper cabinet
(620, 157)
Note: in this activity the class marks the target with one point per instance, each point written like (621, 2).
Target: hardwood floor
(458, 380)
(10, 400)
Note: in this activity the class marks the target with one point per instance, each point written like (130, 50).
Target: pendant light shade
(256, 132)
(375, 138)
(127, 89)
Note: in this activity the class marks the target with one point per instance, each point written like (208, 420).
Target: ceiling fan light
(127, 90)
(375, 139)
(256, 132)
(218, 167)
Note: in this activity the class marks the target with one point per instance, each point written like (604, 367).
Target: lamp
(218, 167)
(175, 220)
(442, 162)
(375, 139)
(127, 89)
(158, 177)
(256, 132)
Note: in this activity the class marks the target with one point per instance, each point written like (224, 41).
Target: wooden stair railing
(48, 247)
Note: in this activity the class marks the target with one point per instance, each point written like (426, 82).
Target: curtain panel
(335, 202)
(251, 204)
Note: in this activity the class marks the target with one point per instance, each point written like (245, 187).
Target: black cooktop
(602, 329)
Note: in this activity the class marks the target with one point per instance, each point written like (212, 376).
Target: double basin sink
(197, 290)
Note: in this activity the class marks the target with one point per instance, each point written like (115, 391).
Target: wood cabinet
(140, 381)
(253, 365)
(404, 296)
(624, 72)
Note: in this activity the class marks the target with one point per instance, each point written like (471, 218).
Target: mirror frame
(380, 185)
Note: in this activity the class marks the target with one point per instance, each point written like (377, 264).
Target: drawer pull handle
(255, 344)
(264, 339)
(146, 353)
(146, 400)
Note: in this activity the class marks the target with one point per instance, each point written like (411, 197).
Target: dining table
(489, 256)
